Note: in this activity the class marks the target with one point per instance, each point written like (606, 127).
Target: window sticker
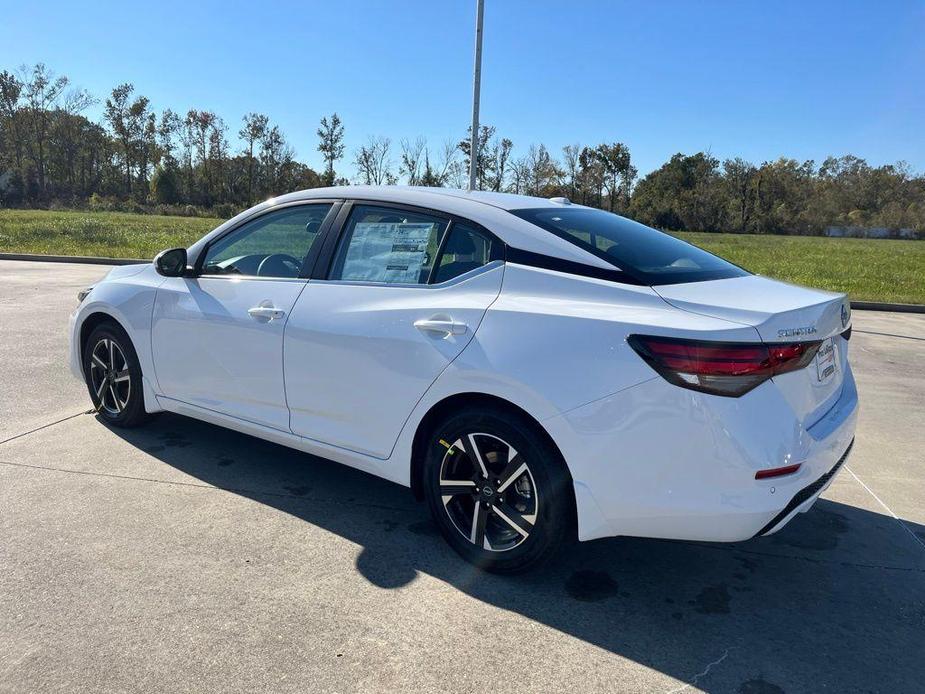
(387, 252)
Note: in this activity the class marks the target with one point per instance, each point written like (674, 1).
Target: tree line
(138, 158)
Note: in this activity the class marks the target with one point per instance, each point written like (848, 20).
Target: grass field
(110, 234)
(867, 269)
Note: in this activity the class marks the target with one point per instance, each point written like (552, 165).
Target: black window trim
(324, 265)
(310, 259)
(571, 267)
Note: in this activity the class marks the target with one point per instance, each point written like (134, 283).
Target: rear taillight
(721, 368)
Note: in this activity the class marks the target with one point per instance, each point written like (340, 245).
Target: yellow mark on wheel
(446, 445)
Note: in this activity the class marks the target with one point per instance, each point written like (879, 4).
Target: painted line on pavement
(888, 509)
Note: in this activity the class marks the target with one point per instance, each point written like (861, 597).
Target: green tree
(739, 178)
(252, 132)
(684, 193)
(165, 186)
(618, 173)
(331, 145)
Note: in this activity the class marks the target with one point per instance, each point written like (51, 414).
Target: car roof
(424, 196)
(491, 210)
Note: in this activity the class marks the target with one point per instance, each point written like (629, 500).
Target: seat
(463, 250)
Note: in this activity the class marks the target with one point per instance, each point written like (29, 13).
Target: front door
(400, 302)
(217, 337)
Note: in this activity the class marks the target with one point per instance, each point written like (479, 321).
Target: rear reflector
(777, 471)
(721, 368)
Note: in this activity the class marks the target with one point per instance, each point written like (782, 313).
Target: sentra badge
(797, 332)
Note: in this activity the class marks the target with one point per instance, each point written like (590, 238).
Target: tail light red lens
(770, 473)
(721, 368)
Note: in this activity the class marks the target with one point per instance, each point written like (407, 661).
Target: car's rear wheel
(113, 376)
(498, 491)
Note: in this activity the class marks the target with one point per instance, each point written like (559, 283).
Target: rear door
(217, 336)
(404, 294)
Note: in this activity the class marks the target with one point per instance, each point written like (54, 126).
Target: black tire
(542, 493)
(118, 400)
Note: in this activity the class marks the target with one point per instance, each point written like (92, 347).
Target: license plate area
(827, 360)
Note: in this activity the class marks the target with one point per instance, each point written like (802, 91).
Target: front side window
(646, 254)
(273, 245)
(388, 245)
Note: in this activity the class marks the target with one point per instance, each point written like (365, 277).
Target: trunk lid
(780, 313)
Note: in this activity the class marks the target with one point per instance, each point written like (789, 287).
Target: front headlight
(82, 294)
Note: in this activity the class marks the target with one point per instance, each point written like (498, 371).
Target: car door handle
(437, 325)
(267, 312)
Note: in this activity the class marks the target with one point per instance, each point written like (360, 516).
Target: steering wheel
(279, 265)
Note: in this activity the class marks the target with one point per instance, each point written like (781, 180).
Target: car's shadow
(835, 601)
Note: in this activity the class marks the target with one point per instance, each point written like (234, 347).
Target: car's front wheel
(113, 376)
(498, 491)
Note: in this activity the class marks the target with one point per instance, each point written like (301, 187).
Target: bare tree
(168, 130)
(200, 124)
(373, 162)
(118, 114)
(218, 156)
(65, 134)
(413, 156)
(542, 171)
(447, 170)
(42, 91)
(571, 154)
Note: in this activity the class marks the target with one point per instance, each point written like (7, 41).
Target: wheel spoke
(115, 398)
(479, 517)
(112, 355)
(98, 362)
(454, 487)
(515, 468)
(121, 376)
(99, 390)
(472, 450)
(513, 518)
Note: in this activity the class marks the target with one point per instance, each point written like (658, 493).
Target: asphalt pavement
(185, 557)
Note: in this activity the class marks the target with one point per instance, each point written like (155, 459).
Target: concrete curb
(90, 260)
(880, 306)
(83, 259)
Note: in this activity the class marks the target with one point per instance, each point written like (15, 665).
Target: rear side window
(390, 245)
(465, 249)
(648, 255)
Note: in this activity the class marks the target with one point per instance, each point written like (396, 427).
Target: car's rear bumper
(805, 498)
(656, 460)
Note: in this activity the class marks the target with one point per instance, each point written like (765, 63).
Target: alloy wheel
(109, 376)
(488, 491)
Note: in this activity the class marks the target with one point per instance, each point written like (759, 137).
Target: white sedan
(533, 368)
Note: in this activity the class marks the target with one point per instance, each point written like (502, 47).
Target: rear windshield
(648, 255)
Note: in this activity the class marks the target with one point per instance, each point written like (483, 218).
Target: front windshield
(646, 254)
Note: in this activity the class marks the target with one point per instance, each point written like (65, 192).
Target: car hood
(121, 271)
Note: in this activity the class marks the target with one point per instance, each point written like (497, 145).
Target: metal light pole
(476, 88)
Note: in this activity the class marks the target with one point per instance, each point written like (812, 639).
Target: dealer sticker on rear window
(826, 361)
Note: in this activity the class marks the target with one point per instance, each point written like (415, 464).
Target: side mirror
(171, 263)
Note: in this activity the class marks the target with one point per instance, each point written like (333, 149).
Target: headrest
(460, 244)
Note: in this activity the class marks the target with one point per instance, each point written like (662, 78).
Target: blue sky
(754, 79)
